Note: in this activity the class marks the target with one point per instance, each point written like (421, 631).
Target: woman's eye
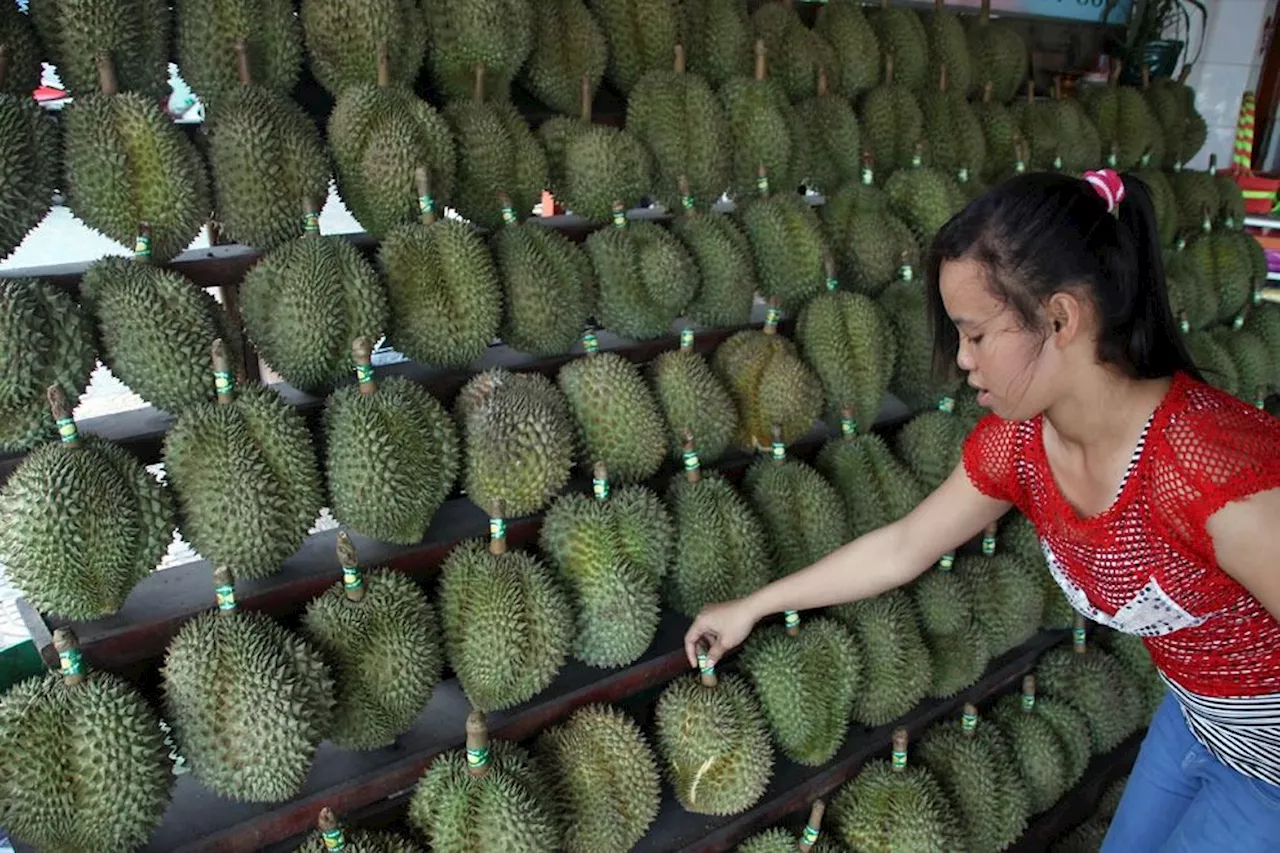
(975, 339)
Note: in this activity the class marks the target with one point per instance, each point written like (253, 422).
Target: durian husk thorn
(61, 410)
(64, 640)
(819, 808)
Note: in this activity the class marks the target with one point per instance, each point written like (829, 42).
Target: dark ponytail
(1041, 233)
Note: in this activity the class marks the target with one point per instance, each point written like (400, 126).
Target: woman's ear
(1066, 316)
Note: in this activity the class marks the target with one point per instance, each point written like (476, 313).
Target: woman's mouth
(984, 398)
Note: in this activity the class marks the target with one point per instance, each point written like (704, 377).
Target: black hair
(1041, 233)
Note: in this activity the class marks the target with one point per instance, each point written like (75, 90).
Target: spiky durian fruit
(948, 47)
(84, 759)
(953, 126)
(1125, 123)
(764, 132)
(267, 157)
(786, 238)
(379, 635)
(1192, 298)
(1132, 654)
(1000, 131)
(306, 301)
(507, 623)
(156, 328)
(835, 140)
(249, 701)
(891, 119)
(1173, 103)
(721, 550)
(381, 135)
(717, 35)
(1217, 255)
(593, 168)
(1195, 192)
(345, 37)
(443, 290)
(806, 679)
(568, 45)
(872, 246)
(607, 784)
(24, 54)
(548, 283)
(246, 475)
(617, 416)
(1037, 751)
(726, 268)
(1097, 685)
(1163, 199)
(914, 379)
(896, 660)
(208, 32)
(678, 117)
(1255, 371)
(1008, 598)
(518, 438)
(974, 765)
(30, 164)
(714, 741)
(890, 806)
(876, 488)
(391, 454)
(845, 338)
(925, 197)
(612, 552)
(998, 54)
(45, 339)
(134, 34)
(693, 399)
(126, 163)
(1263, 320)
(497, 153)
(462, 37)
(931, 443)
(642, 36)
(779, 840)
(330, 836)
(854, 44)
(489, 796)
(647, 277)
(1213, 361)
(802, 512)
(958, 647)
(902, 35)
(84, 522)
(798, 53)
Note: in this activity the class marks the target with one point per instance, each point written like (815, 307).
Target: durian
(391, 454)
(714, 742)
(1125, 123)
(246, 475)
(568, 45)
(1173, 103)
(872, 246)
(854, 43)
(345, 39)
(330, 836)
(22, 52)
(952, 124)
(612, 552)
(507, 622)
(85, 764)
(84, 522)
(998, 54)
(876, 488)
(379, 635)
(902, 35)
(249, 701)
(306, 301)
(442, 287)
(948, 47)
(133, 35)
(693, 399)
(891, 119)
(896, 660)
(925, 197)
(725, 266)
(1001, 132)
(797, 52)
(958, 646)
(642, 35)
(30, 148)
(787, 241)
(718, 38)
(764, 132)
(1097, 685)
(914, 381)
(779, 840)
(608, 789)
(1008, 597)
(931, 443)
(208, 35)
(1059, 133)
(834, 138)
(463, 37)
(1037, 751)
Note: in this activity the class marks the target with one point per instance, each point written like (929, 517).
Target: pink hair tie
(1109, 186)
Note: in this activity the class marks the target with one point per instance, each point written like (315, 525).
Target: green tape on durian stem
(1260, 403)
(70, 663)
(1028, 701)
(1111, 160)
(1237, 322)
(916, 160)
(223, 383)
(792, 618)
(899, 759)
(426, 205)
(686, 338)
(226, 597)
(1078, 637)
(848, 427)
(1181, 243)
(1184, 325)
(772, 316)
(778, 451)
(868, 176)
(762, 184)
(686, 201)
(968, 722)
(963, 175)
(67, 430)
(988, 546)
(1230, 221)
(364, 373)
(1019, 168)
(497, 528)
(142, 246)
(947, 562)
(600, 488)
(906, 272)
(1256, 296)
(1145, 159)
(947, 404)
(477, 757)
(691, 460)
(619, 219)
(334, 839)
(705, 666)
(833, 283)
(508, 214)
(809, 836)
(352, 578)
(590, 343)
(1057, 163)
(310, 222)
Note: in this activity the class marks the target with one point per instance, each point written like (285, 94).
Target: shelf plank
(794, 787)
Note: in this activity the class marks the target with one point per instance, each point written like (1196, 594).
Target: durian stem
(331, 830)
(4, 62)
(680, 60)
(791, 619)
(813, 828)
(1057, 87)
(352, 577)
(619, 215)
(1185, 73)
(477, 744)
(823, 83)
(868, 167)
(900, 738)
(687, 201)
(984, 14)
(310, 219)
(938, 5)
(829, 266)
(1115, 73)
(426, 204)
(692, 470)
(585, 94)
(1031, 91)
(69, 662)
(1028, 692)
(888, 68)
(224, 590)
(362, 355)
(1079, 637)
(477, 86)
(988, 92)
(778, 450)
(600, 481)
(242, 63)
(384, 64)
(686, 339)
(969, 720)
(942, 77)
(771, 318)
(509, 216)
(498, 530)
(107, 75)
(762, 181)
(989, 538)
(706, 666)
(1146, 78)
(62, 416)
(142, 244)
(761, 68)
(848, 425)
(223, 383)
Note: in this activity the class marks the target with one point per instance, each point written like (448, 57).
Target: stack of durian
(843, 146)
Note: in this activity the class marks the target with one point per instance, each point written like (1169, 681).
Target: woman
(1157, 497)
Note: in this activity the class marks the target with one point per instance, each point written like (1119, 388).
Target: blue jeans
(1181, 799)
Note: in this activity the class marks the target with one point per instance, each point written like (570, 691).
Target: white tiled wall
(1230, 63)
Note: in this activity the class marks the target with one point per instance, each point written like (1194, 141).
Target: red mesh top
(1146, 565)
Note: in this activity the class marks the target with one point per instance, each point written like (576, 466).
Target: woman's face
(1009, 364)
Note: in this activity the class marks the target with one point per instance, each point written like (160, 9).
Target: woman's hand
(723, 626)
